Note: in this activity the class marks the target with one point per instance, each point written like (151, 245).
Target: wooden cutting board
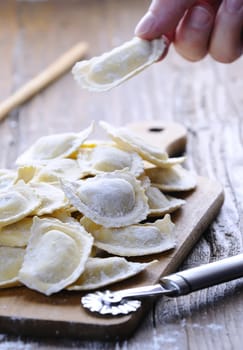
(26, 312)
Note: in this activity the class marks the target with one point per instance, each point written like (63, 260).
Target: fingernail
(146, 25)
(233, 6)
(199, 17)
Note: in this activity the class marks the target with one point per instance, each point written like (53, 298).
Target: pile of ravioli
(75, 211)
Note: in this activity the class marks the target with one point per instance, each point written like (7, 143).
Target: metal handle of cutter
(204, 276)
(173, 285)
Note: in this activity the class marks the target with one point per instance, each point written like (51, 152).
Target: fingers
(197, 27)
(226, 40)
(193, 33)
(162, 17)
(214, 27)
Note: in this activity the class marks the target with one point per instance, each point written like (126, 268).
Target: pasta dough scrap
(100, 272)
(11, 260)
(17, 234)
(160, 204)
(111, 199)
(112, 68)
(54, 146)
(172, 179)
(16, 203)
(133, 240)
(56, 255)
(108, 158)
(129, 141)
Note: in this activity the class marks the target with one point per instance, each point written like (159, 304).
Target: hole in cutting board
(156, 129)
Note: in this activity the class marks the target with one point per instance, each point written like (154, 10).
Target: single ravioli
(111, 199)
(16, 234)
(56, 255)
(11, 260)
(108, 158)
(129, 141)
(160, 204)
(54, 146)
(100, 272)
(133, 240)
(52, 197)
(172, 179)
(112, 68)
(17, 202)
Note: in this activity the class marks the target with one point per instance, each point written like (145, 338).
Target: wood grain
(43, 79)
(206, 97)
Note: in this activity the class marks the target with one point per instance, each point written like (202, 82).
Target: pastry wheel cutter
(181, 283)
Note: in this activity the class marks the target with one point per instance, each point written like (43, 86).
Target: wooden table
(206, 97)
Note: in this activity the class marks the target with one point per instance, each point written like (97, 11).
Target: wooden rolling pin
(51, 73)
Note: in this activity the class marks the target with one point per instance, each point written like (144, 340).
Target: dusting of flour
(14, 345)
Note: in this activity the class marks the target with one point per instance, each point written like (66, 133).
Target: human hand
(197, 27)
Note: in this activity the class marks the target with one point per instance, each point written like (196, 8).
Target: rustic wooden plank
(9, 34)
